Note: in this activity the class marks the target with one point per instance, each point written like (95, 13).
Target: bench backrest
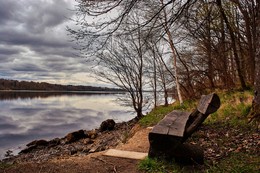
(182, 124)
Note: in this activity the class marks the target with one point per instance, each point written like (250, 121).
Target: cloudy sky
(34, 44)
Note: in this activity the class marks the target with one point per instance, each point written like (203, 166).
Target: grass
(158, 166)
(233, 113)
(234, 109)
(236, 163)
(159, 112)
(4, 165)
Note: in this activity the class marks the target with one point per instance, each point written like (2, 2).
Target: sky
(35, 46)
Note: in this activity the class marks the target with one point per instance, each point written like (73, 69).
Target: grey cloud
(34, 44)
(24, 67)
(7, 9)
(34, 16)
(9, 51)
(12, 36)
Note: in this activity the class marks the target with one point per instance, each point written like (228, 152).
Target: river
(27, 116)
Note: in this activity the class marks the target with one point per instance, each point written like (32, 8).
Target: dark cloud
(9, 51)
(28, 67)
(34, 43)
(7, 9)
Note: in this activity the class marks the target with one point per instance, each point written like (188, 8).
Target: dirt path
(92, 163)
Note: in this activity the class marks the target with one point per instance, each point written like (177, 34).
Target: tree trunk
(174, 56)
(256, 100)
(233, 44)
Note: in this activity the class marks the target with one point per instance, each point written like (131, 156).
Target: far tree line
(6, 84)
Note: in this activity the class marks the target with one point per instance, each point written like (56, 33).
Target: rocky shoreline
(81, 142)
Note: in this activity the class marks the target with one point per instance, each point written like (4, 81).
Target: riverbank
(88, 162)
(230, 144)
(76, 143)
(236, 151)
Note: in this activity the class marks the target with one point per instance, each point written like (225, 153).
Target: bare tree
(219, 45)
(99, 21)
(122, 64)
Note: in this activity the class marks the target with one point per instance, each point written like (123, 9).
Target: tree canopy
(199, 44)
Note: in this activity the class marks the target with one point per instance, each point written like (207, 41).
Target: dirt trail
(92, 163)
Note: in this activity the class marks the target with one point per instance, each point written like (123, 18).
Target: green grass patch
(150, 165)
(234, 109)
(236, 163)
(159, 112)
(158, 166)
(4, 165)
(155, 115)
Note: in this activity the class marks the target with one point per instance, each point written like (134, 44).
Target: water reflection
(27, 116)
(9, 95)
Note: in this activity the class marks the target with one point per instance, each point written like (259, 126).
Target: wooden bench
(168, 136)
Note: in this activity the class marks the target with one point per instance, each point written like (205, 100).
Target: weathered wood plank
(169, 119)
(178, 126)
(160, 129)
(209, 103)
(172, 124)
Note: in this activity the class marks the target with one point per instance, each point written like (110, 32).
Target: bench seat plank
(160, 129)
(172, 124)
(178, 126)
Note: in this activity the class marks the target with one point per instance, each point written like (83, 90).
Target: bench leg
(183, 153)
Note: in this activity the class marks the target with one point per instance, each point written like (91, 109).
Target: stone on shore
(75, 136)
(108, 124)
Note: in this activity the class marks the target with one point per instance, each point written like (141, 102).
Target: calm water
(32, 115)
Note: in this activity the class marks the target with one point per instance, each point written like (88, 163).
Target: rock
(87, 141)
(109, 124)
(75, 136)
(72, 152)
(35, 145)
(54, 142)
(28, 149)
(38, 143)
(94, 149)
(92, 134)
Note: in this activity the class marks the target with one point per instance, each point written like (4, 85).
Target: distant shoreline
(64, 91)
(14, 85)
(24, 94)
